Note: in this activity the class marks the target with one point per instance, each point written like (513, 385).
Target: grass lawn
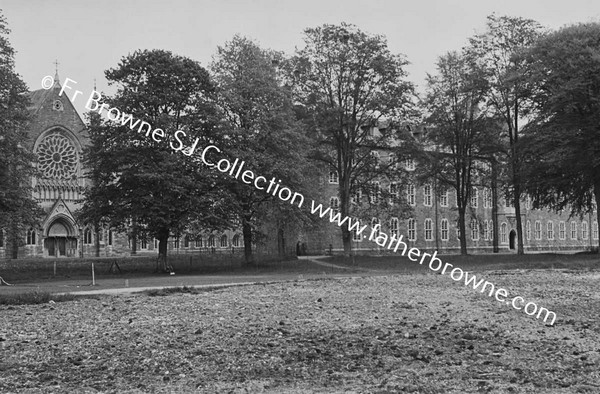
(80, 280)
(475, 262)
(410, 331)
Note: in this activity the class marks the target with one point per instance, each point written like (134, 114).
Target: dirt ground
(417, 332)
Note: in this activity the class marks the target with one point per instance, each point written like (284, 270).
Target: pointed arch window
(31, 236)
(87, 236)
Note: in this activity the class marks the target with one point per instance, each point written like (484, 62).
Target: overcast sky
(88, 37)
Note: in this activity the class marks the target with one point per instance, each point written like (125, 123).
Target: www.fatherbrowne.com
(435, 264)
(285, 194)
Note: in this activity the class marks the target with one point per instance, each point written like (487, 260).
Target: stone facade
(433, 222)
(57, 136)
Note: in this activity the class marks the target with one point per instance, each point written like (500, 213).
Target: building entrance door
(60, 241)
(49, 246)
(512, 239)
(62, 246)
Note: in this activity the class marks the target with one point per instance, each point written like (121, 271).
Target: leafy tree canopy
(147, 183)
(346, 82)
(260, 128)
(18, 209)
(562, 143)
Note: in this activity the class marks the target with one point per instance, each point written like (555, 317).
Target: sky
(89, 37)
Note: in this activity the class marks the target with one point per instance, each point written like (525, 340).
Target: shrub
(179, 290)
(36, 297)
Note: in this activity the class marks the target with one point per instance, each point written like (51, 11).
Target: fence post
(54, 267)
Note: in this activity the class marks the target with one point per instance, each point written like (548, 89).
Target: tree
(18, 208)
(562, 142)
(93, 211)
(348, 81)
(495, 51)
(459, 126)
(145, 184)
(261, 130)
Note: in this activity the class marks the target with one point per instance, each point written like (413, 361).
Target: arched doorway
(60, 240)
(512, 239)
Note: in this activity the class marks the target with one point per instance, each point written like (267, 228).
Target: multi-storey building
(432, 223)
(58, 136)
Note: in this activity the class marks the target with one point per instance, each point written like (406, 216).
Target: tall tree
(93, 212)
(458, 138)
(495, 51)
(18, 208)
(348, 81)
(562, 142)
(147, 183)
(261, 130)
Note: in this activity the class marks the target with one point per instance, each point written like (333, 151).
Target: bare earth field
(416, 332)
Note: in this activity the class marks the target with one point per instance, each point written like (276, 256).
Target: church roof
(37, 98)
(49, 109)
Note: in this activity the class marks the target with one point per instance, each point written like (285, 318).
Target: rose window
(57, 157)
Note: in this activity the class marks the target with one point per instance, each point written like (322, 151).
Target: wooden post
(93, 275)
(54, 267)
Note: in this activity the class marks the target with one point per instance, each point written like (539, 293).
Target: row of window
(394, 228)
(374, 194)
(476, 230)
(53, 193)
(199, 242)
(409, 165)
(562, 230)
(31, 237)
(88, 239)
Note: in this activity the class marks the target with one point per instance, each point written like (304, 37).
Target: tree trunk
(281, 243)
(462, 230)
(435, 204)
(97, 241)
(597, 196)
(517, 179)
(347, 240)
(163, 240)
(134, 240)
(494, 187)
(344, 193)
(247, 233)
(517, 195)
(14, 239)
(15, 248)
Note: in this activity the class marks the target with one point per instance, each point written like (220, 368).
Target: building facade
(432, 222)
(58, 135)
